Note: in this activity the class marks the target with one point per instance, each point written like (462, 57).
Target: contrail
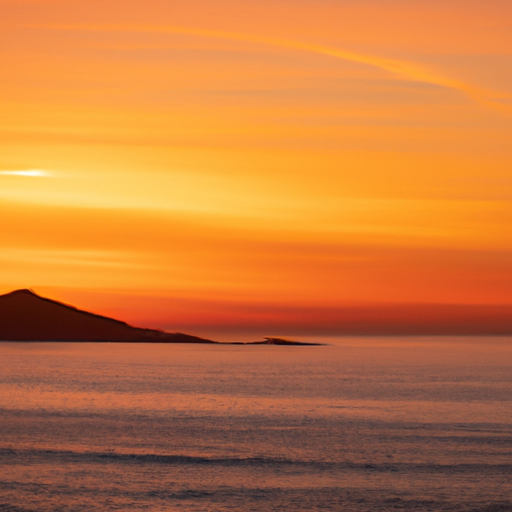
(401, 68)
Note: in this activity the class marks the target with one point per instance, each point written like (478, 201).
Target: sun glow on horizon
(30, 173)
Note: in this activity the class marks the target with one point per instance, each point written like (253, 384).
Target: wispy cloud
(70, 257)
(403, 69)
(29, 173)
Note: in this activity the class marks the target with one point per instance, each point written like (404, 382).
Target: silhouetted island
(278, 341)
(25, 316)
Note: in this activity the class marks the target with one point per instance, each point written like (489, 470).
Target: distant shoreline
(269, 341)
(26, 317)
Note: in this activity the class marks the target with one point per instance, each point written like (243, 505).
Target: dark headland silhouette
(25, 316)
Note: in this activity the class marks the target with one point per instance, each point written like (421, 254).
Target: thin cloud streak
(406, 70)
(72, 257)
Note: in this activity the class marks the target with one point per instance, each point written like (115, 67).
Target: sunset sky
(286, 167)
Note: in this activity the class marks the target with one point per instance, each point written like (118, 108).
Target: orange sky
(279, 167)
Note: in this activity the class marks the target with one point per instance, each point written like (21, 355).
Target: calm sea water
(360, 425)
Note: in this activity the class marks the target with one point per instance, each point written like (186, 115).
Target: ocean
(362, 424)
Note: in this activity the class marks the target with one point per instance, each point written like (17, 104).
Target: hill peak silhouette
(26, 316)
(23, 291)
